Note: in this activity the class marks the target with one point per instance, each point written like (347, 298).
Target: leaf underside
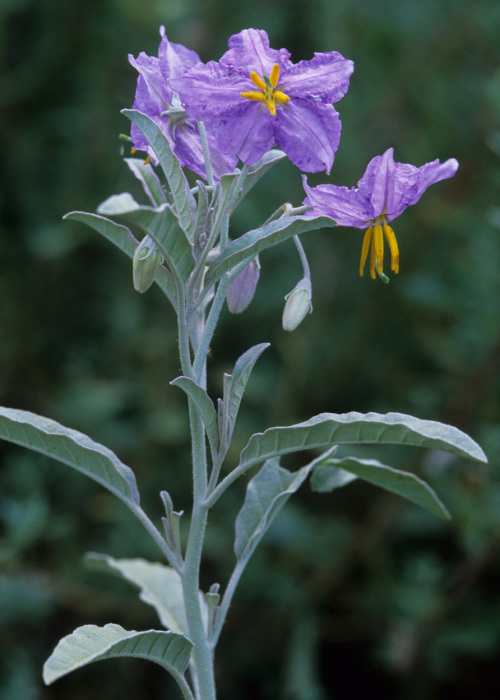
(91, 643)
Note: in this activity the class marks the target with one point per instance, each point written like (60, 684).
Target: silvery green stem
(202, 650)
(226, 600)
(302, 256)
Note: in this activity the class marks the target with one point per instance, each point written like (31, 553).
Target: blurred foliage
(356, 591)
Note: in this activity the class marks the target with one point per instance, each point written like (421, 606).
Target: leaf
(266, 495)
(205, 407)
(161, 224)
(149, 180)
(70, 447)
(123, 239)
(240, 377)
(160, 585)
(254, 173)
(118, 204)
(326, 478)
(184, 202)
(245, 248)
(91, 643)
(358, 428)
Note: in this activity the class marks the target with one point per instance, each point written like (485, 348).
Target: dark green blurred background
(352, 593)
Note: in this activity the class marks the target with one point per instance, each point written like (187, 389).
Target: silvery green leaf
(149, 180)
(205, 407)
(254, 173)
(266, 495)
(163, 226)
(240, 377)
(185, 205)
(70, 447)
(91, 643)
(160, 586)
(332, 473)
(358, 428)
(118, 204)
(248, 246)
(123, 239)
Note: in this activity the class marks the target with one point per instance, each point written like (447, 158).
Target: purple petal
(249, 50)
(309, 133)
(247, 131)
(325, 77)
(347, 206)
(430, 173)
(175, 59)
(209, 90)
(383, 180)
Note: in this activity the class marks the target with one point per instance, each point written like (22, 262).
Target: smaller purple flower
(155, 98)
(382, 194)
(256, 98)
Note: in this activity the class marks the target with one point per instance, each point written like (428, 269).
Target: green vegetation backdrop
(375, 595)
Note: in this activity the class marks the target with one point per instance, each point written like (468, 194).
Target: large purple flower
(155, 97)
(384, 192)
(256, 98)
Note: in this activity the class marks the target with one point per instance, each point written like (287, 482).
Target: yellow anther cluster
(375, 236)
(268, 92)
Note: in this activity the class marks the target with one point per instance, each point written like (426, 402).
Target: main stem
(202, 650)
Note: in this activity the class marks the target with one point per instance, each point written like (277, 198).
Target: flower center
(375, 236)
(268, 92)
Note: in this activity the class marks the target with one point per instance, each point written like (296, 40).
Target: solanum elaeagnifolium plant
(229, 122)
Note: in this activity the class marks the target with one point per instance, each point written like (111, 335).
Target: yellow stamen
(256, 96)
(393, 245)
(268, 93)
(373, 260)
(132, 151)
(364, 250)
(280, 97)
(148, 160)
(275, 74)
(378, 244)
(257, 80)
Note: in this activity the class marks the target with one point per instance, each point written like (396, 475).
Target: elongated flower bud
(147, 260)
(242, 288)
(298, 305)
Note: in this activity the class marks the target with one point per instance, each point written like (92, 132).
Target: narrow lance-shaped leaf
(70, 447)
(205, 407)
(91, 643)
(185, 204)
(254, 174)
(234, 385)
(248, 246)
(358, 428)
(333, 473)
(161, 224)
(149, 180)
(266, 495)
(160, 586)
(123, 239)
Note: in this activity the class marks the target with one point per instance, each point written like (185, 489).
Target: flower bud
(242, 288)
(147, 260)
(298, 305)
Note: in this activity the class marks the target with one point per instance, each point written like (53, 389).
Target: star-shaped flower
(382, 194)
(155, 97)
(256, 98)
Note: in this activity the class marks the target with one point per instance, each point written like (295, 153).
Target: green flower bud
(298, 305)
(147, 260)
(242, 288)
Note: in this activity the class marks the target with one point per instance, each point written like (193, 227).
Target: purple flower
(256, 98)
(384, 192)
(156, 98)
